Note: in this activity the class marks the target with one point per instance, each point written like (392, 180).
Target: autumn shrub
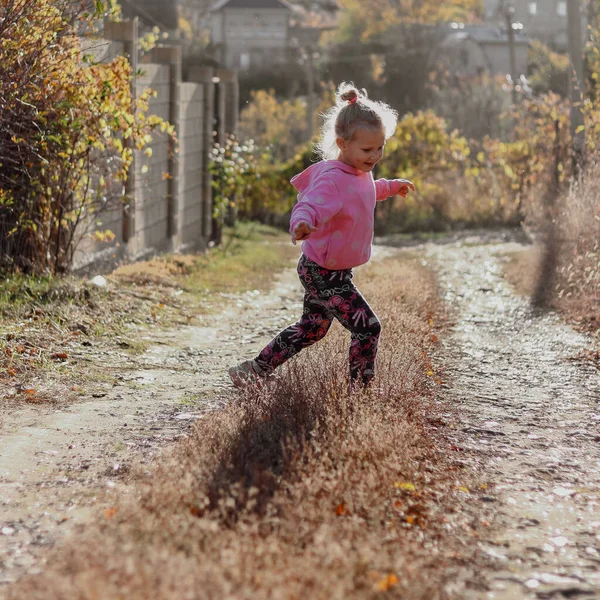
(299, 490)
(448, 175)
(488, 180)
(232, 166)
(68, 129)
(276, 125)
(548, 71)
(246, 179)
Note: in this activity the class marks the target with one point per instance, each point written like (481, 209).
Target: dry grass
(578, 277)
(523, 269)
(49, 326)
(299, 490)
(571, 279)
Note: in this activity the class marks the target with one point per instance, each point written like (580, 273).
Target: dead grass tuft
(298, 490)
(575, 223)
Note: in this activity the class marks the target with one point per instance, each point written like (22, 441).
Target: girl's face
(364, 150)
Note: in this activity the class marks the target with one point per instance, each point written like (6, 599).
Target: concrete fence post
(128, 33)
(171, 56)
(204, 76)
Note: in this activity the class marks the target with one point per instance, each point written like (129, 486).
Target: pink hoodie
(339, 201)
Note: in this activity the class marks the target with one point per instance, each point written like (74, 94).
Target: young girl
(334, 218)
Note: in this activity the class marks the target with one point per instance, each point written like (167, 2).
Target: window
(561, 9)
(533, 8)
(244, 61)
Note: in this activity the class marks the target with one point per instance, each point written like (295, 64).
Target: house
(545, 20)
(474, 49)
(250, 34)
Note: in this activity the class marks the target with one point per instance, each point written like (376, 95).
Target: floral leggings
(328, 295)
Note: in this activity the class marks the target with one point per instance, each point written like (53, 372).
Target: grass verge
(299, 490)
(54, 332)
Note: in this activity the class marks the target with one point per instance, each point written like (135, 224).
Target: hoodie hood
(304, 179)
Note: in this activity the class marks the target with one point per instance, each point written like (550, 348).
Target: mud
(531, 418)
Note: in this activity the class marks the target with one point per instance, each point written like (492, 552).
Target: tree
(398, 36)
(68, 128)
(365, 20)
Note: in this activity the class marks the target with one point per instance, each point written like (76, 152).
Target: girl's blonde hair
(353, 109)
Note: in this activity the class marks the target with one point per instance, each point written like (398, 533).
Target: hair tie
(353, 100)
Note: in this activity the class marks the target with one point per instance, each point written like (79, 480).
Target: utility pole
(306, 41)
(509, 11)
(310, 104)
(576, 85)
(592, 14)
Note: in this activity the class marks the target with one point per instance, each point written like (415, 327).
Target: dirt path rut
(533, 416)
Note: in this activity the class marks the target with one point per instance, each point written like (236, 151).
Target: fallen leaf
(389, 581)
(341, 510)
(405, 485)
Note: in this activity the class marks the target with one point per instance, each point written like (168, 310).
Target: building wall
(251, 38)
(499, 58)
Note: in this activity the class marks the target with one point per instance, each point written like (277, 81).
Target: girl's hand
(302, 231)
(405, 187)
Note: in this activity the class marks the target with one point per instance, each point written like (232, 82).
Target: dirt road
(529, 415)
(533, 417)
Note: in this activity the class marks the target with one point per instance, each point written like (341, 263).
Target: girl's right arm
(384, 188)
(317, 206)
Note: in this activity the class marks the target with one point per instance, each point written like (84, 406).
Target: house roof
(257, 4)
(160, 13)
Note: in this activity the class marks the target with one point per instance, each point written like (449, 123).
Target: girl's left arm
(384, 188)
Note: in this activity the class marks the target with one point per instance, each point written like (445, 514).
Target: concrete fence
(168, 196)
